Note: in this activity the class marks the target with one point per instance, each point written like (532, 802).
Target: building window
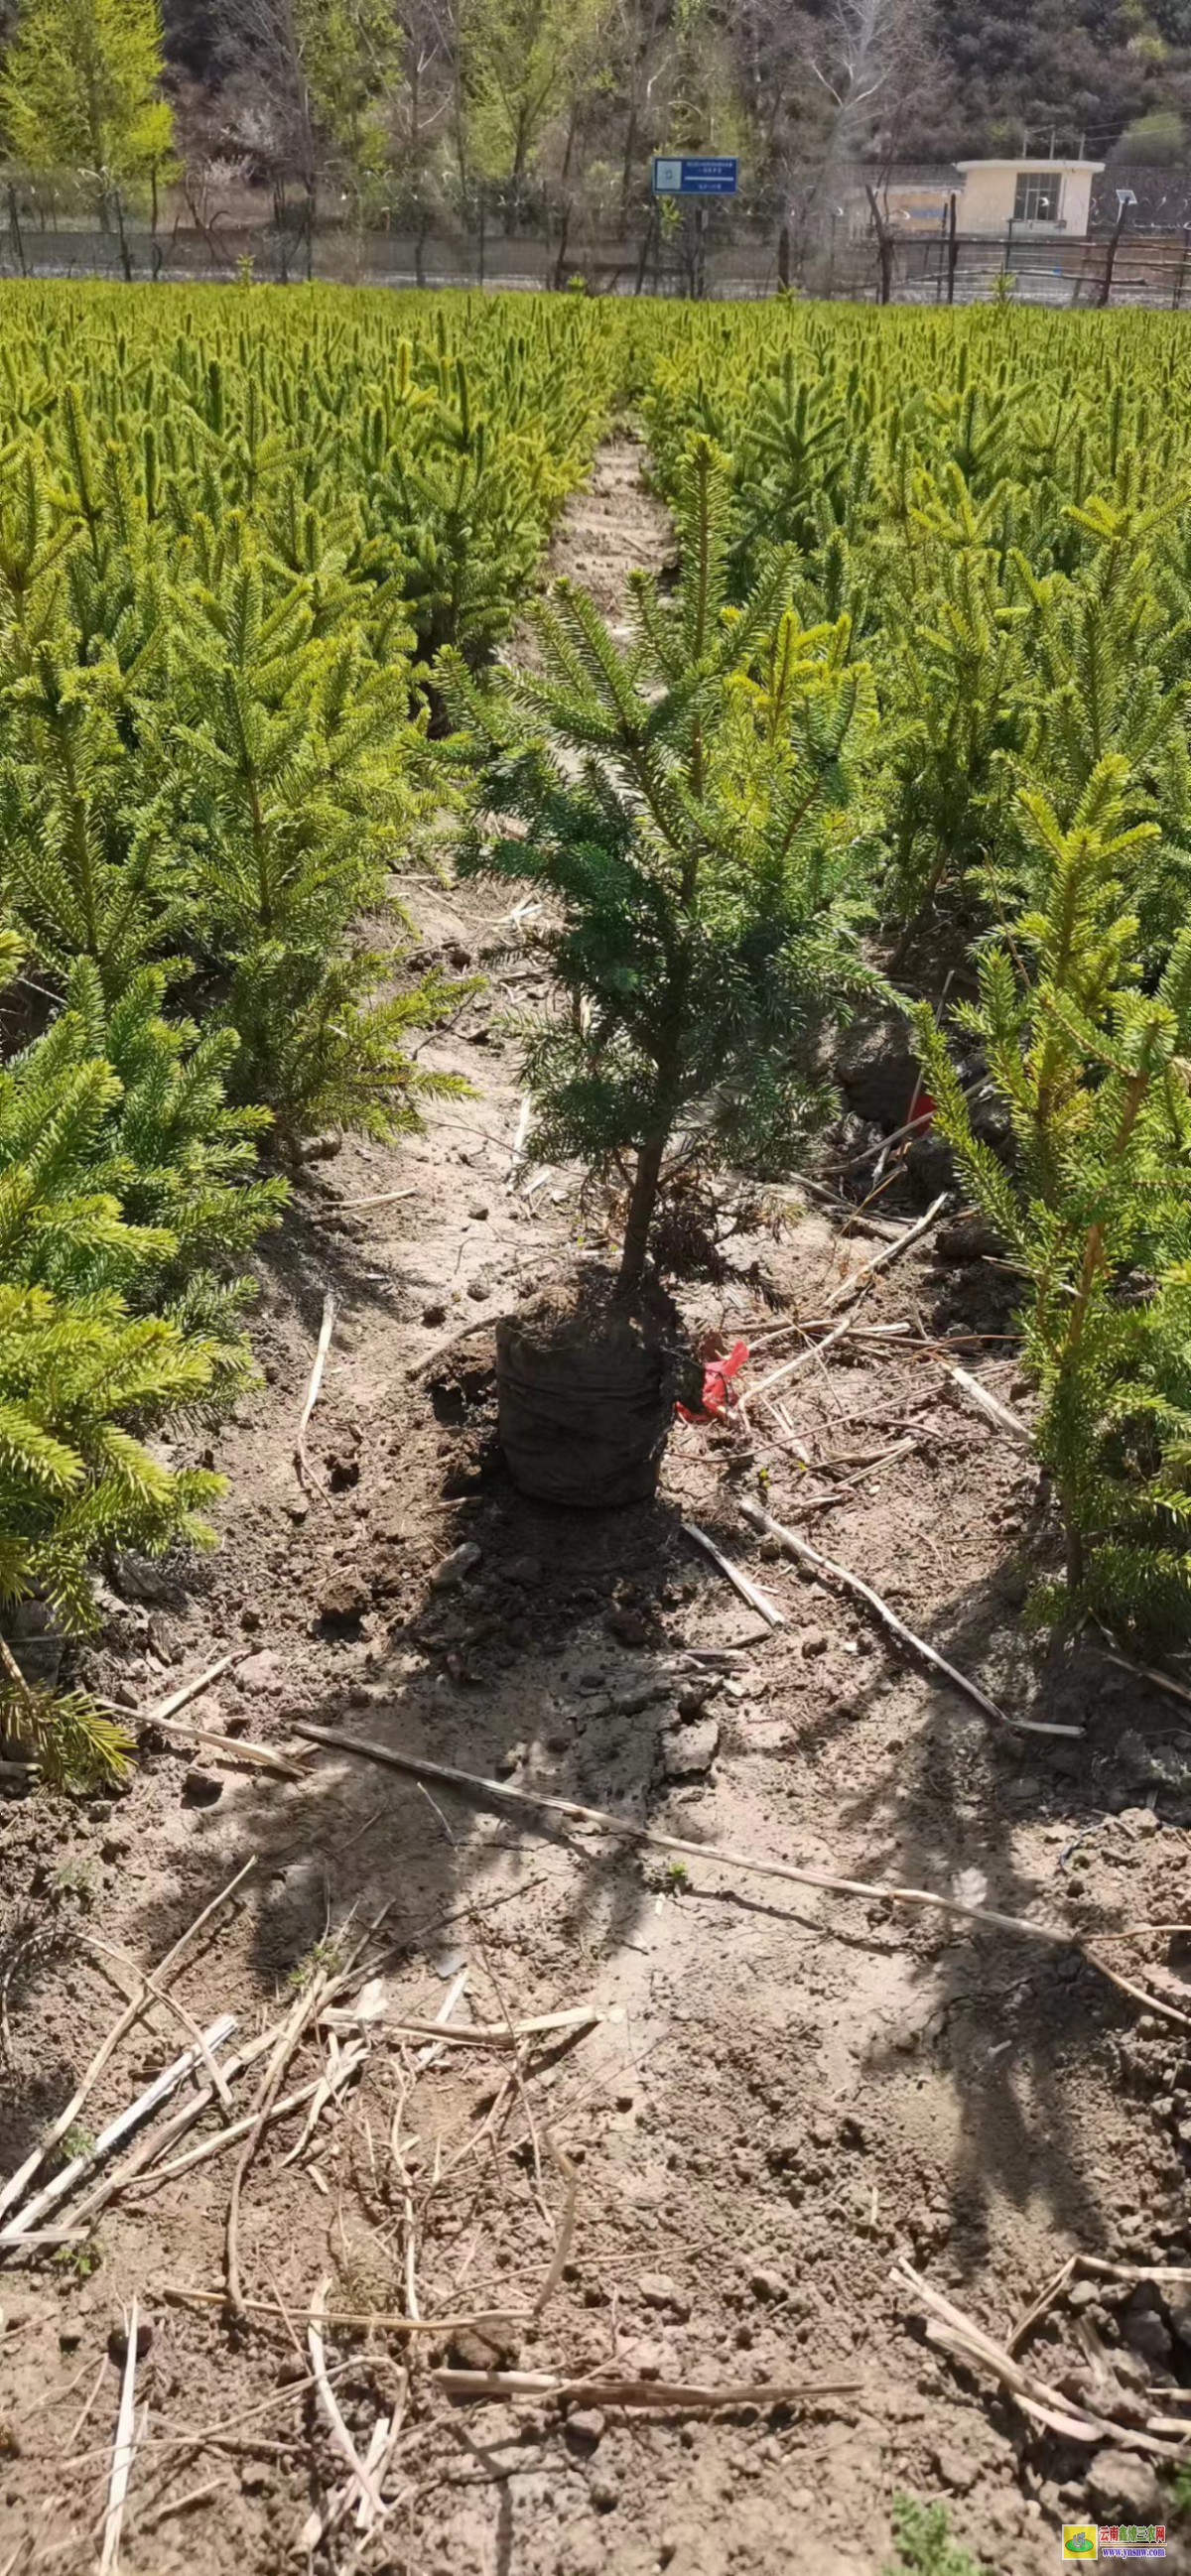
(1037, 199)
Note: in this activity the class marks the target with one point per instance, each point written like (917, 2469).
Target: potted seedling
(690, 805)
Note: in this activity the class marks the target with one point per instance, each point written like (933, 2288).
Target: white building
(1033, 198)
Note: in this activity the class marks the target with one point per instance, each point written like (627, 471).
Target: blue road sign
(682, 177)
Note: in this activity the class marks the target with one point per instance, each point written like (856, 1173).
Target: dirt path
(785, 2092)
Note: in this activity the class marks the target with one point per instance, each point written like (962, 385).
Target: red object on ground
(716, 1390)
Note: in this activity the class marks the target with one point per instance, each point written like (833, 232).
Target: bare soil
(788, 2091)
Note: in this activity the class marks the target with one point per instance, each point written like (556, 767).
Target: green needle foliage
(1093, 1071)
(693, 806)
(86, 1375)
(924, 2544)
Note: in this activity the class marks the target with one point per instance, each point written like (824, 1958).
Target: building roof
(1010, 161)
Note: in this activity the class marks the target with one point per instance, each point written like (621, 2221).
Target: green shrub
(1093, 1071)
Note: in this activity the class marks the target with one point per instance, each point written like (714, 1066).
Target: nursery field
(594, 1204)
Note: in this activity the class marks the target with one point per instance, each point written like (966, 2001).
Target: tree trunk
(642, 1202)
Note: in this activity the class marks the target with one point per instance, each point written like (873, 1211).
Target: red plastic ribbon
(716, 1390)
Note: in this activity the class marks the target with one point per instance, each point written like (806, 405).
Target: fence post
(952, 248)
(14, 219)
(1111, 259)
(1178, 291)
(884, 246)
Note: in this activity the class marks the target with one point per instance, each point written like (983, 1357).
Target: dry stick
(378, 1198)
(326, 1328)
(566, 2224)
(474, 1784)
(304, 2008)
(1045, 2404)
(1148, 1673)
(480, 2034)
(635, 2392)
(802, 1359)
(181, 2504)
(148, 2149)
(54, 2135)
(982, 1400)
(357, 2318)
(801, 1548)
(749, 1591)
(841, 1492)
(233, 1749)
(328, 2403)
(193, 1689)
(108, 1950)
(122, 2454)
(117, 2130)
(224, 2138)
(849, 1288)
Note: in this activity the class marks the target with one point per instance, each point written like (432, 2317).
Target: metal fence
(728, 257)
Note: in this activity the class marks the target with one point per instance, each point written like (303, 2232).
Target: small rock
(630, 1627)
(478, 1213)
(766, 2284)
(118, 2342)
(509, 1759)
(461, 1562)
(1083, 2294)
(256, 2478)
(814, 1641)
(1122, 2486)
(691, 1750)
(525, 1570)
(694, 1697)
(343, 1601)
(585, 2428)
(495, 2345)
(604, 2493)
(113, 1847)
(260, 1672)
(298, 1508)
(435, 1313)
(956, 2470)
(249, 1616)
(1145, 2334)
(202, 1788)
(661, 2290)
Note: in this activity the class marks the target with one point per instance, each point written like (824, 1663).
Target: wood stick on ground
(842, 1491)
(109, 1950)
(802, 1359)
(201, 2154)
(158, 2141)
(122, 2453)
(326, 1328)
(566, 2224)
(473, 1784)
(1045, 2300)
(52, 2137)
(655, 2393)
(1044, 2404)
(854, 1583)
(980, 1399)
(303, 2010)
(357, 2320)
(165, 1709)
(890, 1252)
(477, 2034)
(378, 1198)
(234, 1750)
(328, 2403)
(741, 1582)
(116, 2131)
(182, 2504)
(1148, 1673)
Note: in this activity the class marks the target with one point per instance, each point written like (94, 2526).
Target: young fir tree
(1096, 1205)
(691, 804)
(291, 783)
(84, 1377)
(80, 95)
